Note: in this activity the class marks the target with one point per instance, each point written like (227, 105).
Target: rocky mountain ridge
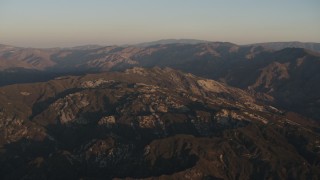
(290, 75)
(154, 123)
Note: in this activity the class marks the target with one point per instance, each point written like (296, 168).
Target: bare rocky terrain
(161, 110)
(150, 123)
(289, 75)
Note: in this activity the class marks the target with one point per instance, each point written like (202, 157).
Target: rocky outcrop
(149, 123)
(94, 83)
(108, 121)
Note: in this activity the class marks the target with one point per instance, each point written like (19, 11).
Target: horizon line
(154, 41)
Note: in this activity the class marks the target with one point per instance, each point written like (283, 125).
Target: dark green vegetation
(290, 75)
(150, 123)
(258, 120)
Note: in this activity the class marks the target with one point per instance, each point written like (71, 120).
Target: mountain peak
(293, 44)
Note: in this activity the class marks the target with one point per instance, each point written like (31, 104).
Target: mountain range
(148, 123)
(290, 76)
(169, 109)
(293, 44)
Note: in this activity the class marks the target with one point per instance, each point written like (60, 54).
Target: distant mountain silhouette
(171, 41)
(293, 44)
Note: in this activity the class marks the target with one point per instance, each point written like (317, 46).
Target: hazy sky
(51, 23)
